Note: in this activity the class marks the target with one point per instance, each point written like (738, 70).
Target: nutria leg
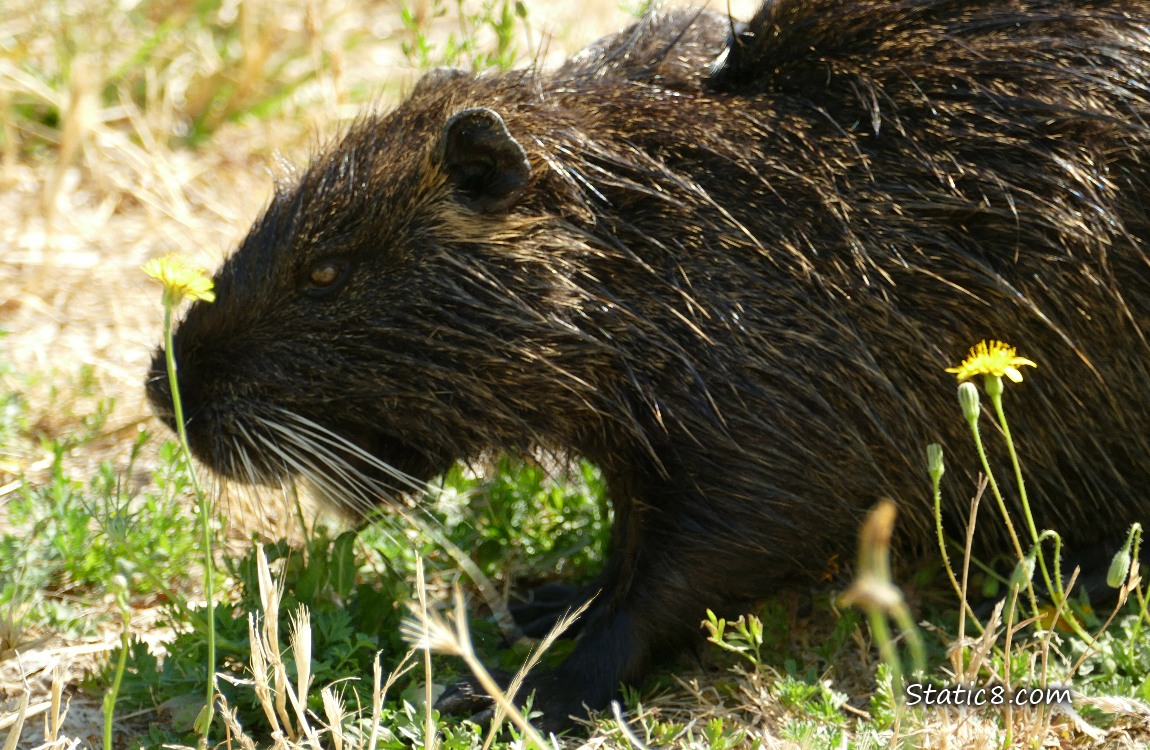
(644, 608)
(608, 652)
(589, 676)
(616, 649)
(544, 607)
(644, 617)
(652, 596)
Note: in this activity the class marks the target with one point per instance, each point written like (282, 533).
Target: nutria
(728, 264)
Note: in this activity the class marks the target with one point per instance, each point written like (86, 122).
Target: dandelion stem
(993, 483)
(121, 666)
(996, 399)
(205, 524)
(1054, 587)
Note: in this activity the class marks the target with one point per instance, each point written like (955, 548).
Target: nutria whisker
(310, 430)
(310, 435)
(323, 468)
(243, 453)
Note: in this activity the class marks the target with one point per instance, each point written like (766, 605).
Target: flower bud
(969, 401)
(1023, 573)
(1119, 568)
(934, 462)
(1120, 565)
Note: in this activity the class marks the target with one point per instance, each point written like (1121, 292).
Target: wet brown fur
(733, 279)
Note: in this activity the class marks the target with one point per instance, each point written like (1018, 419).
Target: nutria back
(728, 264)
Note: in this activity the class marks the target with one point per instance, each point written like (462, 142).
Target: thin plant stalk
(430, 734)
(936, 487)
(1053, 584)
(1007, 676)
(993, 484)
(204, 721)
(994, 390)
(966, 558)
(109, 705)
(1132, 572)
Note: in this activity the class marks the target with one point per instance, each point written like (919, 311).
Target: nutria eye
(326, 276)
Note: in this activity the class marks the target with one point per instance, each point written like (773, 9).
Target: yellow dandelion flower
(181, 279)
(993, 358)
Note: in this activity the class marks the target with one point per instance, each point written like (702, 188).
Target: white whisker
(324, 460)
(340, 442)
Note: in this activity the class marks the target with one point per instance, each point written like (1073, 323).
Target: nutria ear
(487, 166)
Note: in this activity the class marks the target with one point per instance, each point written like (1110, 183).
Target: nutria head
(378, 314)
(433, 286)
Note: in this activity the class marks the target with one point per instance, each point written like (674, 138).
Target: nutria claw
(467, 698)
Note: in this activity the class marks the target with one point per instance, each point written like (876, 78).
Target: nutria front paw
(468, 698)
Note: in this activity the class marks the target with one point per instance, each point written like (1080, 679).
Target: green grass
(65, 539)
(353, 584)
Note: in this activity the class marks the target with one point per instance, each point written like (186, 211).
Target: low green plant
(1118, 663)
(521, 521)
(744, 636)
(353, 620)
(814, 697)
(713, 734)
(66, 538)
(354, 584)
(497, 18)
(716, 736)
